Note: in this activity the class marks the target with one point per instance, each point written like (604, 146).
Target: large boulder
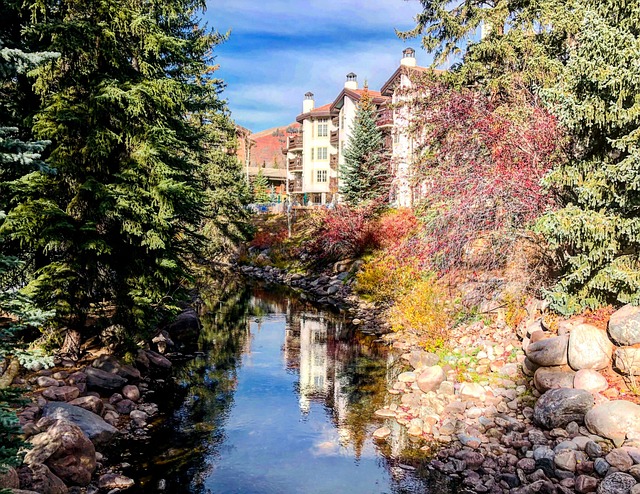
(624, 326)
(158, 361)
(589, 348)
(96, 429)
(614, 420)
(431, 378)
(91, 403)
(38, 478)
(558, 407)
(103, 380)
(549, 351)
(67, 452)
(627, 360)
(546, 378)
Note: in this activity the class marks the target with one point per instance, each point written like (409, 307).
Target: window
(322, 153)
(323, 128)
(342, 119)
(321, 176)
(312, 153)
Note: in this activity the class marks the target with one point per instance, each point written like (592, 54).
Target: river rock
(381, 433)
(616, 483)
(46, 382)
(558, 407)
(627, 361)
(66, 451)
(620, 459)
(431, 378)
(614, 420)
(91, 403)
(112, 365)
(586, 484)
(472, 391)
(529, 368)
(158, 361)
(131, 392)
(96, 429)
(589, 348)
(590, 380)
(115, 481)
(407, 377)
(419, 359)
(546, 378)
(624, 326)
(62, 393)
(103, 380)
(38, 478)
(549, 352)
(125, 406)
(566, 460)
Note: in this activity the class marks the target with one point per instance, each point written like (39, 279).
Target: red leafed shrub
(266, 239)
(479, 169)
(394, 227)
(340, 233)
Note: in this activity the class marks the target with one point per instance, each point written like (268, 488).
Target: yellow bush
(384, 279)
(423, 309)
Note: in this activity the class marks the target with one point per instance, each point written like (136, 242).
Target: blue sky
(280, 49)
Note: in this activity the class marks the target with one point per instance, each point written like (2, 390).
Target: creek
(281, 399)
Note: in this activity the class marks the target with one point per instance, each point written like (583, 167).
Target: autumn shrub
(265, 239)
(479, 168)
(394, 226)
(340, 233)
(385, 277)
(423, 309)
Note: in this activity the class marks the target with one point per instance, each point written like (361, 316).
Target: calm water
(282, 402)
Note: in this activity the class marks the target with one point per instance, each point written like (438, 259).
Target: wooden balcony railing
(294, 142)
(295, 186)
(335, 121)
(333, 161)
(334, 138)
(385, 118)
(333, 184)
(295, 164)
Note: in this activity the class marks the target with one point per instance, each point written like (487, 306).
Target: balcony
(333, 161)
(294, 143)
(385, 118)
(335, 121)
(295, 186)
(334, 138)
(333, 184)
(295, 164)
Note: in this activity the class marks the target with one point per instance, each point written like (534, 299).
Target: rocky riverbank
(77, 409)
(507, 418)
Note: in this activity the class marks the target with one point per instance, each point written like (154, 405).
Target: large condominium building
(315, 156)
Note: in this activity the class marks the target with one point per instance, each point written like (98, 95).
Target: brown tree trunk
(72, 342)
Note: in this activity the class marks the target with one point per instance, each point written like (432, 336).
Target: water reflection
(283, 402)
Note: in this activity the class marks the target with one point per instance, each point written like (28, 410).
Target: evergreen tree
(599, 102)
(17, 157)
(260, 186)
(119, 220)
(525, 44)
(226, 219)
(365, 175)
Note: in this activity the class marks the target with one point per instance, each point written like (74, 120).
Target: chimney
(352, 81)
(308, 104)
(408, 57)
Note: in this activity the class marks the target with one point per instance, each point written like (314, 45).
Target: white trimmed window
(321, 176)
(322, 153)
(323, 128)
(313, 153)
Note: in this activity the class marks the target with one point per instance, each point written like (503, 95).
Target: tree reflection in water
(330, 370)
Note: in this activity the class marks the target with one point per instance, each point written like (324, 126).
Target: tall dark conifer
(119, 220)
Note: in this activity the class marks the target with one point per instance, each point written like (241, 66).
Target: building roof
(389, 86)
(321, 111)
(356, 95)
(266, 149)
